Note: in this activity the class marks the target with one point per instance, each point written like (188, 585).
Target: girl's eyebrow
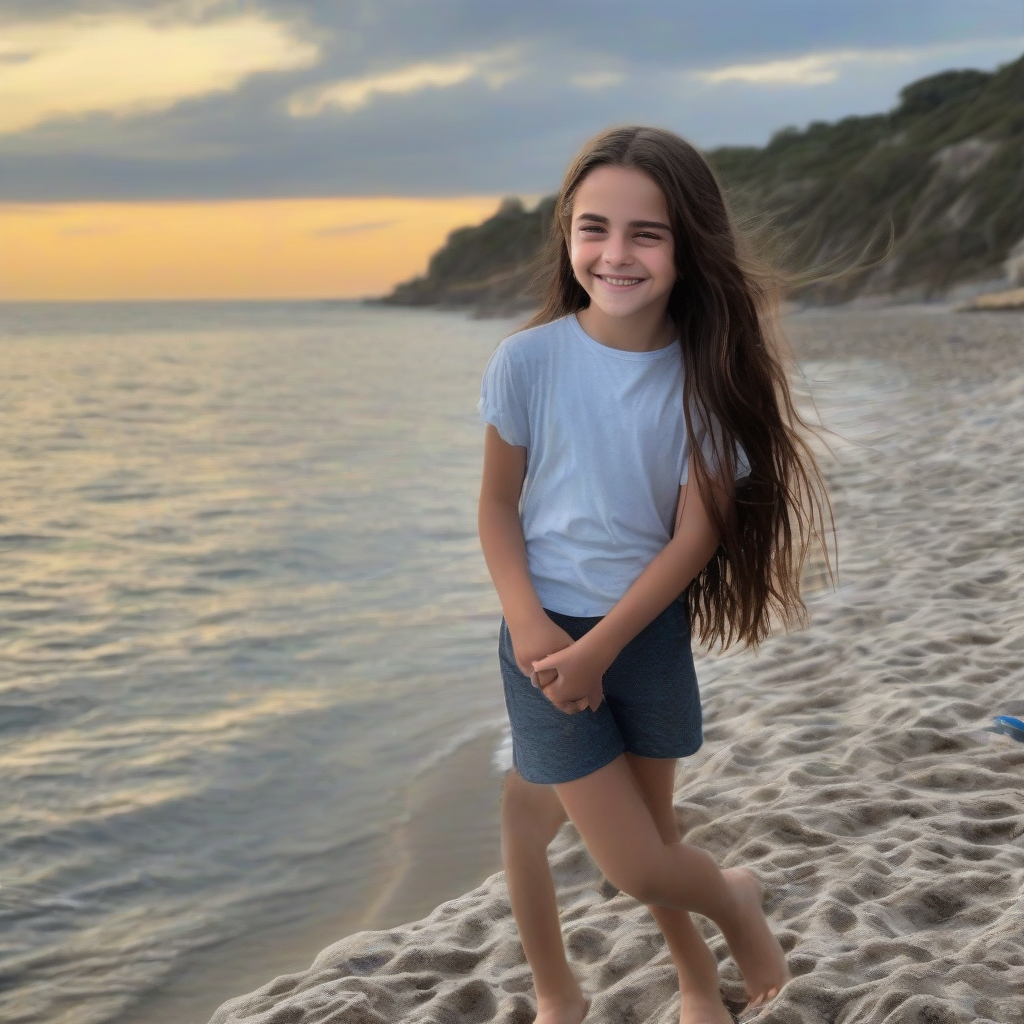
(633, 223)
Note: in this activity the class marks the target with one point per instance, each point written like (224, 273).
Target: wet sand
(847, 764)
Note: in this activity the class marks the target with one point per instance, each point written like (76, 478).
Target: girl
(642, 470)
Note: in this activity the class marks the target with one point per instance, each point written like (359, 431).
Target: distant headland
(941, 175)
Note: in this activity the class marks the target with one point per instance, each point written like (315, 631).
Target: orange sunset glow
(238, 249)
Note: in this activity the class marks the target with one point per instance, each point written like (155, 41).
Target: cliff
(942, 175)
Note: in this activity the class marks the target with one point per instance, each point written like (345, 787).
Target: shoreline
(455, 799)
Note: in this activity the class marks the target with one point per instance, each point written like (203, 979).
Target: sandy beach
(847, 763)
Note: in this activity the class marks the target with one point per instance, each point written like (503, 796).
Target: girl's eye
(599, 229)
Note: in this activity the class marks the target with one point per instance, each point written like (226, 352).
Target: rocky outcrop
(487, 268)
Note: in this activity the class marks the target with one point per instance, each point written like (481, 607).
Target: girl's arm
(669, 573)
(666, 576)
(501, 532)
(533, 634)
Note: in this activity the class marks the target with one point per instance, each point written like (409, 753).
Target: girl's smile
(619, 282)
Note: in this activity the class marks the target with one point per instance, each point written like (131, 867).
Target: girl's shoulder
(520, 364)
(538, 343)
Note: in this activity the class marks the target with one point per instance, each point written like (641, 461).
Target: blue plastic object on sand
(1010, 726)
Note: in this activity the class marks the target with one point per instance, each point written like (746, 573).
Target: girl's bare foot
(754, 948)
(568, 1010)
(703, 1008)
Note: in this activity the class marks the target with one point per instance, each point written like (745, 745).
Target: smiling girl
(642, 472)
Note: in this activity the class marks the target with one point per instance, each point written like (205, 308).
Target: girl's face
(621, 245)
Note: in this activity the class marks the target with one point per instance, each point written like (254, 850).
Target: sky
(324, 148)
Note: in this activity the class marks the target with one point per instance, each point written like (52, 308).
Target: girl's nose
(617, 250)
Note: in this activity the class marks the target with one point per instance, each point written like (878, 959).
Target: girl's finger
(546, 678)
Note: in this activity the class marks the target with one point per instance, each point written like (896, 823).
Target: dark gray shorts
(651, 706)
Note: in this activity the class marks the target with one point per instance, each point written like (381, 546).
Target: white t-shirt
(606, 451)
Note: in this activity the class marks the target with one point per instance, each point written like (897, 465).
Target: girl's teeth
(622, 280)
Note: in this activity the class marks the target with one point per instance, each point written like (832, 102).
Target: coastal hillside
(941, 176)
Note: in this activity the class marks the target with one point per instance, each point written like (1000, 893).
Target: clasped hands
(568, 672)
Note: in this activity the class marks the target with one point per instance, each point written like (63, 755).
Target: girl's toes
(763, 998)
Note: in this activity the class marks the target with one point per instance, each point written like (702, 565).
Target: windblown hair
(725, 306)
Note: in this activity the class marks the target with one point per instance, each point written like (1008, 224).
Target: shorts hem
(573, 775)
(689, 751)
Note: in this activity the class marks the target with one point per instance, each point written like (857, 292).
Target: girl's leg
(701, 999)
(608, 809)
(530, 817)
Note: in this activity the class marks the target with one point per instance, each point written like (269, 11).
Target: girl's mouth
(619, 282)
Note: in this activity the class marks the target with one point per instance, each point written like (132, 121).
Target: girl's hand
(536, 640)
(577, 684)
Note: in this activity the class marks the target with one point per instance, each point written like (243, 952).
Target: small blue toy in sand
(1007, 725)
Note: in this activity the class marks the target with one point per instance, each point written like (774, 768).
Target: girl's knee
(530, 811)
(643, 888)
(668, 828)
(641, 879)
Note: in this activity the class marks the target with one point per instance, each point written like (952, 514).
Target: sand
(846, 764)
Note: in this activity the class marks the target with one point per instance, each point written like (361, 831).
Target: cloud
(124, 64)
(418, 108)
(350, 94)
(812, 69)
(340, 230)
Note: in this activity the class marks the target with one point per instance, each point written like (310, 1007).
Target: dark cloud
(472, 137)
(664, 32)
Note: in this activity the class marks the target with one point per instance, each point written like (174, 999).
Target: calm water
(242, 604)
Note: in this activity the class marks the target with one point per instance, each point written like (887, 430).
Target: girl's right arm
(534, 635)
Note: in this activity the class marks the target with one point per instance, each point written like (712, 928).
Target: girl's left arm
(581, 666)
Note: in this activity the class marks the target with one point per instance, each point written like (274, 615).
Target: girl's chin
(625, 306)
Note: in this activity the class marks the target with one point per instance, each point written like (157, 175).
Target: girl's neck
(644, 331)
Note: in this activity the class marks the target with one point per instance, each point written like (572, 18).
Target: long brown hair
(725, 306)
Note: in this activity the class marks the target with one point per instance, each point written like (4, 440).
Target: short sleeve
(503, 398)
(707, 447)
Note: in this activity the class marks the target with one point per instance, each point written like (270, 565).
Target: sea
(243, 610)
